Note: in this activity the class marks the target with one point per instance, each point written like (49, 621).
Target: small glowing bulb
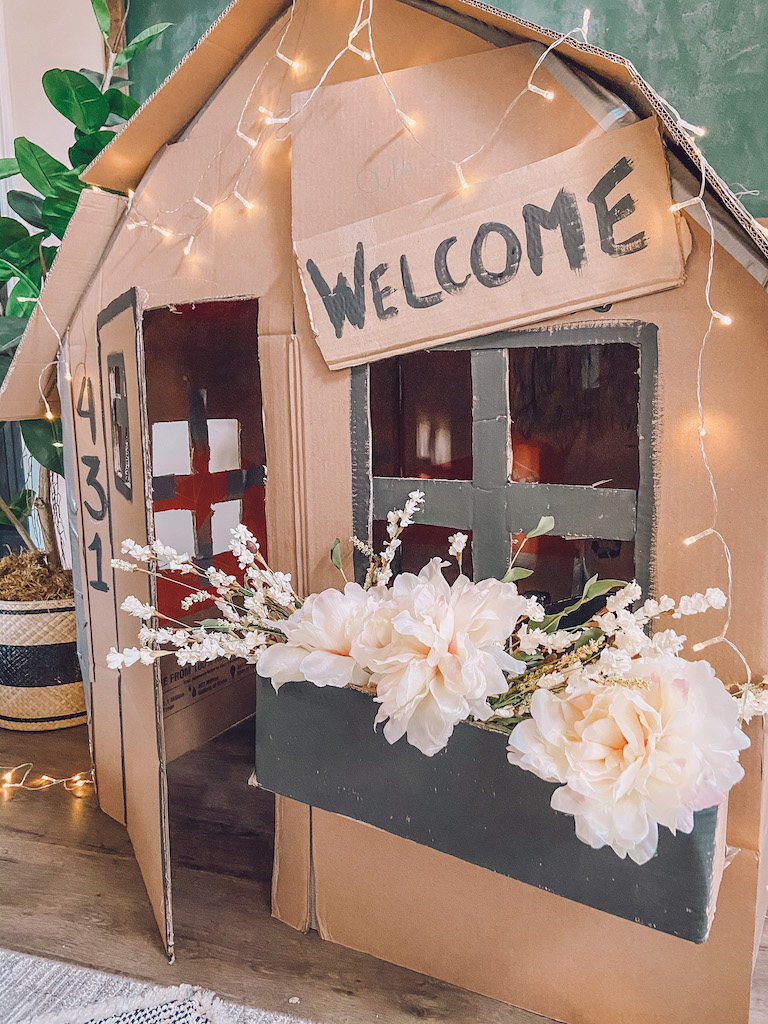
(247, 138)
(702, 432)
(546, 93)
(463, 183)
(293, 64)
(95, 188)
(723, 319)
(246, 202)
(6, 785)
(49, 415)
(132, 225)
(57, 444)
(79, 782)
(266, 112)
(8, 776)
(67, 375)
(410, 122)
(46, 778)
(200, 203)
(697, 536)
(361, 53)
(131, 193)
(188, 246)
(162, 231)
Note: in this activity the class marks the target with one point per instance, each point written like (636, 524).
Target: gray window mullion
(490, 461)
(603, 512)
(447, 502)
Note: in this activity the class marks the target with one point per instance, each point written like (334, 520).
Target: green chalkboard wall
(707, 57)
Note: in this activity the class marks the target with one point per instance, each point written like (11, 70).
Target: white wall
(36, 35)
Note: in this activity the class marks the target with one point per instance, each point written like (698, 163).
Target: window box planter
(318, 746)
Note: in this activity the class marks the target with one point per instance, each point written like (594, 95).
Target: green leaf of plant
(546, 525)
(25, 292)
(101, 10)
(57, 213)
(11, 330)
(336, 553)
(589, 634)
(11, 230)
(86, 150)
(120, 104)
(41, 437)
(21, 506)
(8, 167)
(6, 358)
(76, 98)
(27, 206)
(17, 259)
(598, 588)
(516, 573)
(140, 42)
(38, 167)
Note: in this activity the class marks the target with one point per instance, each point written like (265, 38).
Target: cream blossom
(436, 653)
(319, 637)
(645, 750)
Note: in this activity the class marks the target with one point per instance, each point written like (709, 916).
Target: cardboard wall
(459, 923)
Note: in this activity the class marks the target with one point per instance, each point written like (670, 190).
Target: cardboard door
(127, 727)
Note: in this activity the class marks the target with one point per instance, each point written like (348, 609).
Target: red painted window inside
(421, 416)
(202, 364)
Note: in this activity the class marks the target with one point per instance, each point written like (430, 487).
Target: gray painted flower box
(318, 746)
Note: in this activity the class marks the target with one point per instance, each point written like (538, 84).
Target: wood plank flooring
(70, 889)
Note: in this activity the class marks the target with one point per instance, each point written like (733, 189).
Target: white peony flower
(319, 638)
(634, 756)
(716, 598)
(435, 653)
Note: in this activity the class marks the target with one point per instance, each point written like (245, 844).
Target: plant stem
(45, 514)
(19, 528)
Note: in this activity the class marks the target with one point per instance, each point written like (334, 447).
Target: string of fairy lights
(19, 777)
(266, 123)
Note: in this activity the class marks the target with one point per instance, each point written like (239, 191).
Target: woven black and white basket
(40, 682)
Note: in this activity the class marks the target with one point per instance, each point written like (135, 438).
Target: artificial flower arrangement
(636, 735)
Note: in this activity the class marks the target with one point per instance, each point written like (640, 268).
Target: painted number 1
(98, 583)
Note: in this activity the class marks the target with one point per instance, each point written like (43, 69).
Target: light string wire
(715, 316)
(364, 20)
(18, 777)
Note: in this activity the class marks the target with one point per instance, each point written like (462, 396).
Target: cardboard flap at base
(582, 228)
(317, 746)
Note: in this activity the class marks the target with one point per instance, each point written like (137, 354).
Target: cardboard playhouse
(296, 323)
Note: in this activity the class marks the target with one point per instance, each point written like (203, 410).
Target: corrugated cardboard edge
(170, 109)
(33, 368)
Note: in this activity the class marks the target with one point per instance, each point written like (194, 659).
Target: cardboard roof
(165, 115)
(122, 164)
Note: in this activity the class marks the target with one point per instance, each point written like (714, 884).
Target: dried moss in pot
(25, 576)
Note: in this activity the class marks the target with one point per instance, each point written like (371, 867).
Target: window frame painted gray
(490, 497)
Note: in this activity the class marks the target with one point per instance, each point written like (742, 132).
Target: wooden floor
(70, 890)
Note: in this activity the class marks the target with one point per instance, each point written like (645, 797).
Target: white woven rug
(37, 991)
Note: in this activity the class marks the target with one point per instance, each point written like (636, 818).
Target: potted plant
(40, 680)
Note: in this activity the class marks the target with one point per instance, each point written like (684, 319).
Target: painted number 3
(98, 509)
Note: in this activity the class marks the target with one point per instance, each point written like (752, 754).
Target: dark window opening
(421, 416)
(573, 415)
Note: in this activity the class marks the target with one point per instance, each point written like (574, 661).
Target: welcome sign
(589, 226)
